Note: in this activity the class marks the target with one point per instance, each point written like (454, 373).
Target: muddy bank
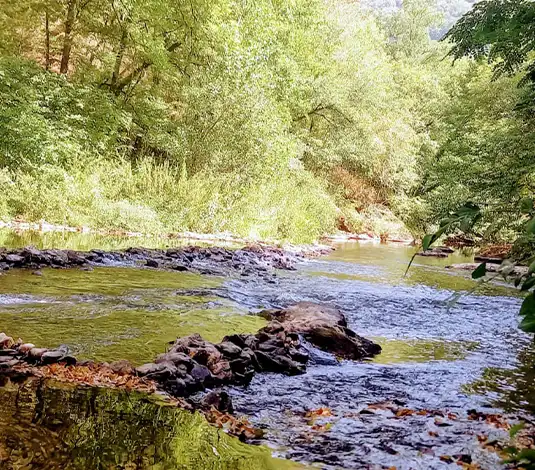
(252, 260)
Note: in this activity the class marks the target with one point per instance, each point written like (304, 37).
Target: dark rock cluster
(324, 327)
(437, 252)
(250, 260)
(193, 364)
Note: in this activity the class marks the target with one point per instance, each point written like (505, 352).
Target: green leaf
(531, 268)
(516, 429)
(528, 324)
(480, 271)
(427, 241)
(528, 283)
(526, 205)
(528, 306)
(530, 226)
(527, 455)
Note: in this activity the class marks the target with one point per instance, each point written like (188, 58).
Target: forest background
(281, 119)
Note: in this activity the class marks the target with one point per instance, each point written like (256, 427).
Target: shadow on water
(47, 425)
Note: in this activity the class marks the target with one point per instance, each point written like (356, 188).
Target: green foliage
(499, 30)
(271, 120)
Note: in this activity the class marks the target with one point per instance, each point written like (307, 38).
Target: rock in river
(326, 328)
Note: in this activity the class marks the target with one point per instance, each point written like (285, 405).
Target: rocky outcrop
(193, 364)
(250, 260)
(324, 327)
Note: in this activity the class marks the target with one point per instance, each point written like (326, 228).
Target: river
(444, 348)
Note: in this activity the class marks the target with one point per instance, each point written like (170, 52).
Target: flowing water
(444, 348)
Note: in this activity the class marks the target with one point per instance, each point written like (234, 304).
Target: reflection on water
(47, 425)
(388, 263)
(513, 388)
(112, 313)
(87, 241)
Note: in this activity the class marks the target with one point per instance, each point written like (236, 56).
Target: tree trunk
(47, 41)
(68, 40)
(119, 60)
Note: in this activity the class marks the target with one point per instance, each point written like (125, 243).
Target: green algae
(399, 351)
(116, 313)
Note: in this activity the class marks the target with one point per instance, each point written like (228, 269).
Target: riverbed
(445, 348)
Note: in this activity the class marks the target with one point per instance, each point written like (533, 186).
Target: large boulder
(325, 327)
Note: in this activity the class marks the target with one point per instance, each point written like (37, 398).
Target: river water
(445, 348)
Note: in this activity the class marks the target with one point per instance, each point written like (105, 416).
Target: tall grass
(155, 198)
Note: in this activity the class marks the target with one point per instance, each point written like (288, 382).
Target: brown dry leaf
(497, 421)
(94, 376)
(452, 416)
(404, 412)
(322, 427)
(433, 433)
(319, 413)
(446, 458)
(240, 427)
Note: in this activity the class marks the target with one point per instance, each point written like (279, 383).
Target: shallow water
(445, 347)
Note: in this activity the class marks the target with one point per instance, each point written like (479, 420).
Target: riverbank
(224, 237)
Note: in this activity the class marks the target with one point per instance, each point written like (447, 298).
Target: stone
(8, 352)
(122, 367)
(176, 358)
(229, 349)
(25, 348)
(158, 372)
(201, 374)
(323, 326)
(218, 399)
(7, 364)
(176, 387)
(35, 354)
(279, 364)
(14, 259)
(152, 263)
(338, 342)
(6, 342)
(5, 359)
(179, 267)
(52, 357)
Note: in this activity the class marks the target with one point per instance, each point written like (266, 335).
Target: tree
(500, 31)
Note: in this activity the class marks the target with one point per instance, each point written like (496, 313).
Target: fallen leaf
(404, 412)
